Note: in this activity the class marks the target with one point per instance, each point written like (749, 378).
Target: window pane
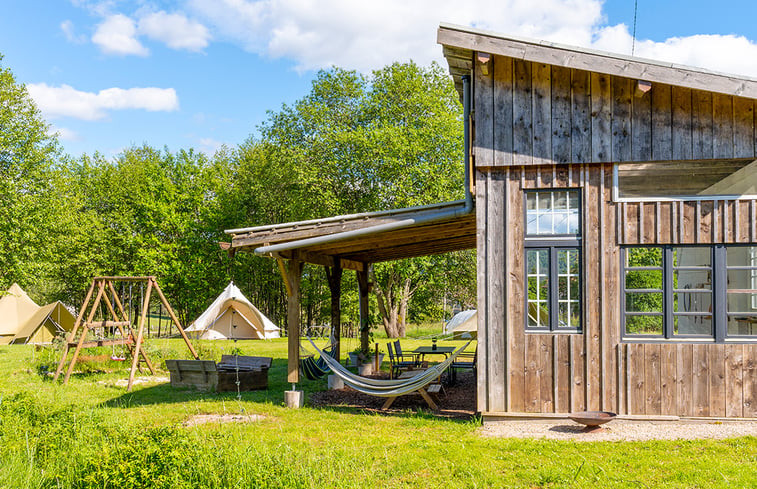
(698, 256)
(741, 256)
(552, 212)
(538, 314)
(644, 302)
(742, 279)
(692, 302)
(544, 200)
(531, 201)
(741, 302)
(742, 325)
(538, 287)
(644, 279)
(692, 279)
(644, 257)
(651, 325)
(538, 262)
(692, 325)
(545, 224)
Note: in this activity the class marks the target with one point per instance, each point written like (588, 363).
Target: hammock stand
(390, 388)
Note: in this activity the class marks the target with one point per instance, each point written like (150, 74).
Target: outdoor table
(429, 350)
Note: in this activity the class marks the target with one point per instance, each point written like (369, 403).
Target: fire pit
(592, 420)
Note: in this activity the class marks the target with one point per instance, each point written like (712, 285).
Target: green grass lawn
(93, 434)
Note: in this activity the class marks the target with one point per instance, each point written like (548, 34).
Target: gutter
(465, 210)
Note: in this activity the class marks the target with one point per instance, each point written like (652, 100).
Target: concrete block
(294, 399)
(335, 382)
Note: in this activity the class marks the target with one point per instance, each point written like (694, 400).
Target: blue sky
(108, 74)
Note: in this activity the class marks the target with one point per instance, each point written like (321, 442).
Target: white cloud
(66, 101)
(367, 35)
(68, 30)
(65, 134)
(724, 53)
(175, 30)
(117, 35)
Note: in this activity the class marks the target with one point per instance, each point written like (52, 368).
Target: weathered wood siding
(532, 114)
(559, 372)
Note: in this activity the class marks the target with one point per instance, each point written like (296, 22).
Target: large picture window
(553, 260)
(689, 292)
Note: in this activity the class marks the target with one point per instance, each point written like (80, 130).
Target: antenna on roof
(635, 9)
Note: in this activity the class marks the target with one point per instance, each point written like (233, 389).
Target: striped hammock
(388, 388)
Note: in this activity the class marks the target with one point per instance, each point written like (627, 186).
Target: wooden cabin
(615, 221)
(617, 230)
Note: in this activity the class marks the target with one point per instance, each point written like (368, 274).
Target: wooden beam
(93, 311)
(365, 321)
(140, 332)
(334, 277)
(293, 275)
(72, 334)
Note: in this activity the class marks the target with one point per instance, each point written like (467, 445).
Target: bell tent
(44, 325)
(463, 325)
(231, 316)
(16, 307)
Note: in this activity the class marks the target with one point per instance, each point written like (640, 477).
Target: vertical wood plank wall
(594, 370)
(542, 126)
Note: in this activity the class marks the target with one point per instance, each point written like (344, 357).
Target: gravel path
(621, 430)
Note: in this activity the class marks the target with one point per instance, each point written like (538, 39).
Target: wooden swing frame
(120, 320)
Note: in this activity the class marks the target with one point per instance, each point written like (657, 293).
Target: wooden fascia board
(324, 260)
(681, 76)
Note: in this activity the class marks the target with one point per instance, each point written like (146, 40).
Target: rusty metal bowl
(592, 420)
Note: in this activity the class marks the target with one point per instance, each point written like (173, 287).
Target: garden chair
(401, 356)
(397, 364)
(463, 361)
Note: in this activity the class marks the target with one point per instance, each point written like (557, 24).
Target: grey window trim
(553, 243)
(719, 314)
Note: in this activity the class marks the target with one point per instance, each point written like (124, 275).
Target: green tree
(30, 208)
(360, 143)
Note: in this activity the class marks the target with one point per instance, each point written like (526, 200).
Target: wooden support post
(175, 320)
(140, 331)
(83, 336)
(334, 276)
(292, 276)
(70, 337)
(365, 323)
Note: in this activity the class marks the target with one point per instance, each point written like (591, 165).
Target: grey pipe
(466, 138)
(404, 223)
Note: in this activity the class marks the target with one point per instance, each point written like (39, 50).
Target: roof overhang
(460, 43)
(353, 241)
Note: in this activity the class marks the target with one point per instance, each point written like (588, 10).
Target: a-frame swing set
(120, 322)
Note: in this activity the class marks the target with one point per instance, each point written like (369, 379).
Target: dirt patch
(199, 419)
(620, 430)
(455, 401)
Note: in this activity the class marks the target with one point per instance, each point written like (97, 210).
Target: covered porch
(354, 242)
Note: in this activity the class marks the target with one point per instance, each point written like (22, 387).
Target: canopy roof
(370, 237)
(460, 43)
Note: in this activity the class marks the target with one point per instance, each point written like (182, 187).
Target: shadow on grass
(317, 397)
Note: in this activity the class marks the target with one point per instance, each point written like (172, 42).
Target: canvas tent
(44, 325)
(232, 316)
(463, 325)
(16, 307)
